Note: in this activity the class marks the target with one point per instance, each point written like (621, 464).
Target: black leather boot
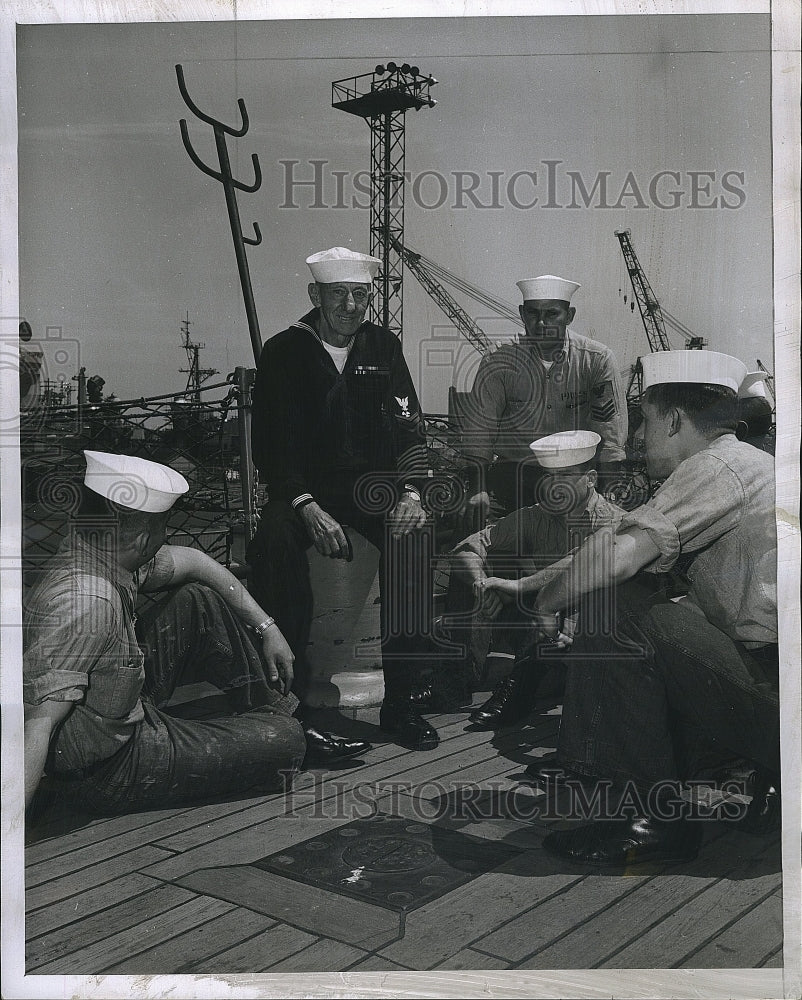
(510, 701)
(400, 717)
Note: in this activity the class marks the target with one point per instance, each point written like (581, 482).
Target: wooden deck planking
(71, 830)
(65, 940)
(548, 920)
(751, 940)
(527, 914)
(84, 904)
(466, 915)
(673, 940)
(99, 956)
(323, 954)
(182, 951)
(375, 963)
(472, 961)
(257, 952)
(47, 893)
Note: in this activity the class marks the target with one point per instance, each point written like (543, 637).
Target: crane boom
(472, 332)
(650, 311)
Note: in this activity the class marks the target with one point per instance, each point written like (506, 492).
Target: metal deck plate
(389, 861)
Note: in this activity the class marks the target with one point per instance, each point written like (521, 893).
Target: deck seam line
(725, 927)
(57, 878)
(679, 906)
(121, 930)
(586, 920)
(189, 930)
(767, 958)
(115, 905)
(516, 916)
(187, 970)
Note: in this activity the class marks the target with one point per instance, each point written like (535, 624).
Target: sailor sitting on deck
(96, 679)
(487, 567)
(647, 673)
(551, 380)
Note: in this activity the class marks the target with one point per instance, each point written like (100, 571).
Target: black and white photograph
(400, 500)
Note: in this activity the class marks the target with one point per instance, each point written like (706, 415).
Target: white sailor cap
(133, 482)
(565, 449)
(707, 367)
(341, 264)
(547, 286)
(754, 384)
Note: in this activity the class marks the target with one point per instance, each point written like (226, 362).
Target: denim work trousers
(633, 697)
(193, 636)
(280, 582)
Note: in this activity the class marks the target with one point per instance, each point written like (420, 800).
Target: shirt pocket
(115, 686)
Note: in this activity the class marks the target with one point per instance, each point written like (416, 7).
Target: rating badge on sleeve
(603, 405)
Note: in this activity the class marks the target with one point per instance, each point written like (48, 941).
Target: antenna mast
(196, 375)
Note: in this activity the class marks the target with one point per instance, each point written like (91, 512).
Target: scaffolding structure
(382, 99)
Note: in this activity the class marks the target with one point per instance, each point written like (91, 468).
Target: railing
(196, 434)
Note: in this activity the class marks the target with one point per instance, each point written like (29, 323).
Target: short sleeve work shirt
(719, 503)
(80, 646)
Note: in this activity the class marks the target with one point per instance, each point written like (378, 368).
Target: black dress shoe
(324, 747)
(623, 843)
(411, 730)
(507, 704)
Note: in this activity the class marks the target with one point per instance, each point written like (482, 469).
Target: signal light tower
(382, 98)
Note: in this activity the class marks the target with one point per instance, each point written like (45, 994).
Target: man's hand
(406, 516)
(324, 532)
(489, 597)
(507, 590)
(279, 658)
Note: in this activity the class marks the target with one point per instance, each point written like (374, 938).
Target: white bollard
(344, 651)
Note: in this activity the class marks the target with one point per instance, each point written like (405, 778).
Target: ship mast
(196, 375)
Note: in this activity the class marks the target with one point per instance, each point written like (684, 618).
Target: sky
(121, 236)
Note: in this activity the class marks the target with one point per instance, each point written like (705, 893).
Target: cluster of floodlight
(404, 68)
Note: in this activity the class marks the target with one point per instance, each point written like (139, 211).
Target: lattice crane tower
(382, 98)
(651, 314)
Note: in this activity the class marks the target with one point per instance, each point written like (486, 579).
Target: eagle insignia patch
(404, 404)
(603, 406)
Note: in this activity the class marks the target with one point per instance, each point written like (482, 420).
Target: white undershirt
(339, 355)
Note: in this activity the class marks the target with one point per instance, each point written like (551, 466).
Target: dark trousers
(662, 674)
(514, 484)
(193, 636)
(280, 582)
(510, 631)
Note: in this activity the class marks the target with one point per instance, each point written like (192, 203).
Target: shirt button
(548, 406)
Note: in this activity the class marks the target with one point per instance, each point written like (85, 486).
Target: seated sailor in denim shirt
(645, 671)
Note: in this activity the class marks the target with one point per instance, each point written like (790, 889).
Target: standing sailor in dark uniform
(339, 438)
(551, 380)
